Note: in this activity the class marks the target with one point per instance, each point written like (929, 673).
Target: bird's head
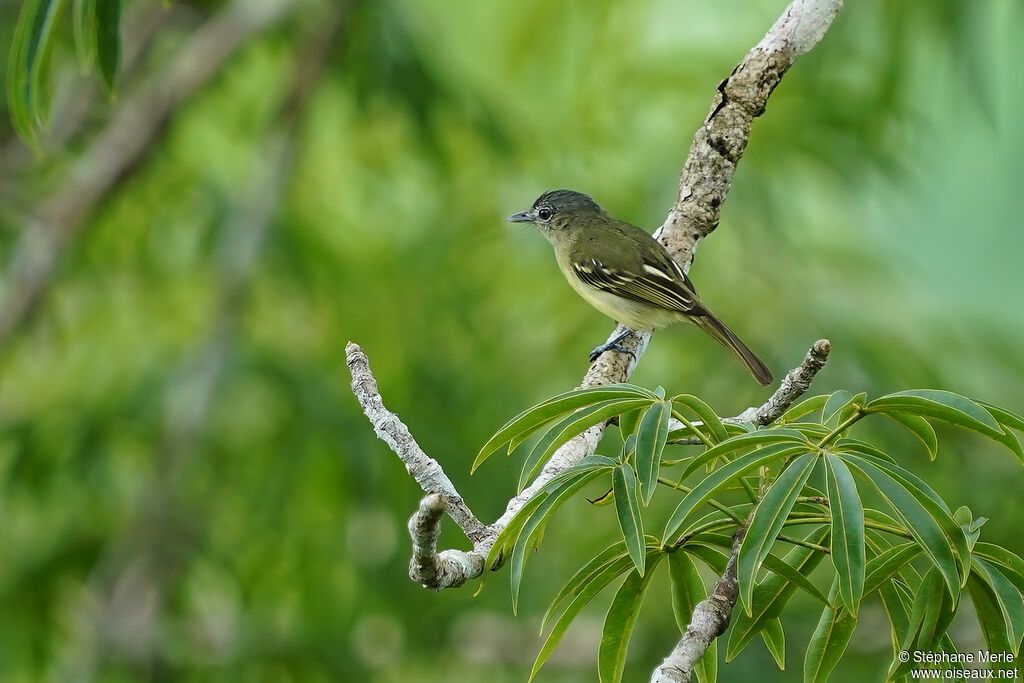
(559, 213)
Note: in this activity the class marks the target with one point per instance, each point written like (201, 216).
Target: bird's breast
(633, 314)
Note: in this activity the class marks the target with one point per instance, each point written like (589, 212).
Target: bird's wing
(621, 266)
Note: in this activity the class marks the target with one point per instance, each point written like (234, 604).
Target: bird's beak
(521, 217)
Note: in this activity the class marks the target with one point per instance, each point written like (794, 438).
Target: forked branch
(704, 183)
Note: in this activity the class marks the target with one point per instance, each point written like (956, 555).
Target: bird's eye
(544, 214)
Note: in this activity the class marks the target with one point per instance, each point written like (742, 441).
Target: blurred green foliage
(877, 206)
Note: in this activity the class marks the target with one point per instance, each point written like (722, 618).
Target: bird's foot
(613, 345)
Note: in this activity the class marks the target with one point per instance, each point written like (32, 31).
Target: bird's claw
(612, 346)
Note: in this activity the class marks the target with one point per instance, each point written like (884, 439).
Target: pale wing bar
(653, 287)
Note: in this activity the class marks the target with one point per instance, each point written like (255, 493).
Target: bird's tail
(717, 329)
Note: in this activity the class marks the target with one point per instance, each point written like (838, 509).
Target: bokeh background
(188, 491)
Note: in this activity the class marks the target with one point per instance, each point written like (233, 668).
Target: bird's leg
(613, 345)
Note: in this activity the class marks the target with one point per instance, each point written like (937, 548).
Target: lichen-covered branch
(427, 472)
(429, 568)
(718, 145)
(794, 385)
(796, 382)
(704, 183)
(709, 620)
(720, 142)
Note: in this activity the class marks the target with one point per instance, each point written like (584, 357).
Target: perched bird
(625, 273)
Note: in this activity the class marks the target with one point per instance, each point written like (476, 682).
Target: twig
(796, 382)
(709, 620)
(740, 98)
(119, 148)
(703, 186)
(427, 472)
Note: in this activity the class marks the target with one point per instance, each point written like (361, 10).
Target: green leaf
(84, 20)
(897, 611)
(606, 498)
(772, 562)
(1003, 416)
(620, 620)
(712, 557)
(920, 428)
(910, 480)
(885, 565)
(943, 405)
(583, 576)
(833, 406)
(918, 518)
(30, 47)
(763, 437)
(808, 405)
(848, 554)
(1009, 563)
(535, 523)
(627, 509)
(709, 417)
(1010, 440)
(108, 39)
(532, 418)
(777, 565)
(594, 585)
(811, 430)
(687, 590)
(772, 595)
(1008, 421)
(766, 524)
(774, 638)
(572, 426)
(534, 459)
(721, 477)
(935, 506)
(856, 446)
(1007, 598)
(628, 423)
(930, 616)
(650, 443)
(829, 640)
(511, 531)
(991, 620)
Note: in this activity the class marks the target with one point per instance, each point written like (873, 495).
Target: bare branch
(705, 181)
(448, 569)
(720, 142)
(427, 472)
(793, 385)
(796, 382)
(709, 620)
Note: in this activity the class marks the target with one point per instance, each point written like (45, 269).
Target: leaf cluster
(96, 26)
(806, 471)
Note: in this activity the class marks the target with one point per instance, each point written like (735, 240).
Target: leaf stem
(700, 435)
(713, 503)
(800, 518)
(842, 427)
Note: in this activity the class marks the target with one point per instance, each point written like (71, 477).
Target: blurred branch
(140, 565)
(74, 104)
(118, 149)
